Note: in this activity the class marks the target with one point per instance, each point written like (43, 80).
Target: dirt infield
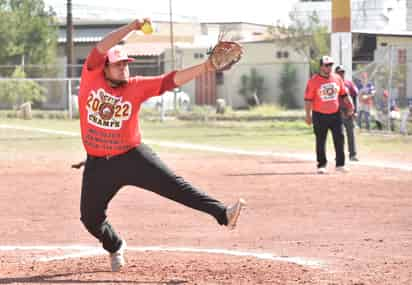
(298, 228)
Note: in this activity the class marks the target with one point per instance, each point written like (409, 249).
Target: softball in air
(147, 28)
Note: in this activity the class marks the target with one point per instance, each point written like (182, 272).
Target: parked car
(182, 98)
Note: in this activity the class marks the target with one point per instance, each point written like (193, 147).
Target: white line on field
(88, 251)
(40, 130)
(297, 156)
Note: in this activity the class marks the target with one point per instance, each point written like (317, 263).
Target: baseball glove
(225, 54)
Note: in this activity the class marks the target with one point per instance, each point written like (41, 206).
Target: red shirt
(109, 118)
(324, 93)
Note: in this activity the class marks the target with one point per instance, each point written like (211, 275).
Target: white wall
(259, 55)
(262, 57)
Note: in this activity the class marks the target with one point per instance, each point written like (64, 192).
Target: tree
(15, 92)
(252, 87)
(309, 38)
(27, 31)
(288, 86)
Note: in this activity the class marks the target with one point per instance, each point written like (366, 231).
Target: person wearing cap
(348, 120)
(366, 94)
(109, 104)
(321, 97)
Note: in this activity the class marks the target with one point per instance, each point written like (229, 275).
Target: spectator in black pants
(348, 121)
(322, 95)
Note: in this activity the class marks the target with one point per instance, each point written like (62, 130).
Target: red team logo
(107, 111)
(328, 91)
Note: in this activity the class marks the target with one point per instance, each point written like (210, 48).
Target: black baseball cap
(326, 60)
(339, 68)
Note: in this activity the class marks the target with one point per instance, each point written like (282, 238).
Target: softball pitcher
(109, 103)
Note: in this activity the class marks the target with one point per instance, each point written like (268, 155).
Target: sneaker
(353, 158)
(117, 258)
(322, 170)
(342, 169)
(233, 212)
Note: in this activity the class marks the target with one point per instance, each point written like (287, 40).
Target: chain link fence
(48, 88)
(390, 73)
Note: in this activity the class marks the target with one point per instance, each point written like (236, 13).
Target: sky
(255, 11)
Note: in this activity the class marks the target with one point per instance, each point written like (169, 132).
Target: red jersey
(324, 93)
(109, 118)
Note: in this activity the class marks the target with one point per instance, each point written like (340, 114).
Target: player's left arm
(157, 85)
(188, 74)
(223, 56)
(346, 99)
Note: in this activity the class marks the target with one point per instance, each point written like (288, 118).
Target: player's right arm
(308, 102)
(97, 56)
(116, 36)
(308, 110)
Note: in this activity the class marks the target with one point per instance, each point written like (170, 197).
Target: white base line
(297, 156)
(40, 130)
(88, 251)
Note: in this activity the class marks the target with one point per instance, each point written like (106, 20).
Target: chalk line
(89, 251)
(296, 156)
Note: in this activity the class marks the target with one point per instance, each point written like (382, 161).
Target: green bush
(288, 86)
(252, 87)
(13, 93)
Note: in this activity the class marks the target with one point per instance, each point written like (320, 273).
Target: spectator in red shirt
(322, 109)
(109, 104)
(366, 94)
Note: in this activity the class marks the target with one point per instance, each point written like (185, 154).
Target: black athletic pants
(321, 124)
(350, 134)
(141, 167)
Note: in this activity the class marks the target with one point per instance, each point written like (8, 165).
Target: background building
(192, 41)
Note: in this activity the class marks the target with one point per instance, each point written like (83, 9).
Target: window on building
(282, 54)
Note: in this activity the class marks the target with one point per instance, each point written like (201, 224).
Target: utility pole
(69, 39)
(172, 46)
(69, 54)
(341, 36)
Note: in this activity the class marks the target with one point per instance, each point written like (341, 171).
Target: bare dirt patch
(357, 223)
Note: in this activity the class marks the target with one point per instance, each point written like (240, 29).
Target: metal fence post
(69, 92)
(390, 88)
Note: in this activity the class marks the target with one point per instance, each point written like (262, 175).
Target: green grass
(246, 135)
(285, 136)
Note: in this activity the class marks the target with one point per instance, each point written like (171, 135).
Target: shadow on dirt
(51, 279)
